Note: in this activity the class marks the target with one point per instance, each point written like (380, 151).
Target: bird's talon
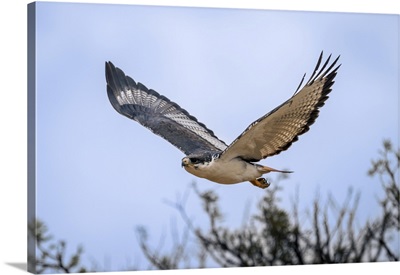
(261, 182)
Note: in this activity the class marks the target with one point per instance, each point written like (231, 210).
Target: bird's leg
(260, 182)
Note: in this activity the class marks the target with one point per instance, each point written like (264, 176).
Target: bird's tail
(265, 169)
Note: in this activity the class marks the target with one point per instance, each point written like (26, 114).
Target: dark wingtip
(109, 68)
(112, 84)
(109, 64)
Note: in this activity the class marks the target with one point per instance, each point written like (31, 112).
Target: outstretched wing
(157, 113)
(277, 130)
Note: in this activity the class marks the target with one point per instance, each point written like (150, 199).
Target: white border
(13, 148)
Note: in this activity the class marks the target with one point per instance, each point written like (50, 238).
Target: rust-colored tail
(266, 169)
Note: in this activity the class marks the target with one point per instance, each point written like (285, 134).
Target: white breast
(225, 172)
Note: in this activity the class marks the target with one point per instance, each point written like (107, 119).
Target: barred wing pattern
(157, 113)
(277, 130)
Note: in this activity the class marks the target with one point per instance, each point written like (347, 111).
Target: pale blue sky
(100, 174)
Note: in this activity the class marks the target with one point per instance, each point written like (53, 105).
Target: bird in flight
(206, 155)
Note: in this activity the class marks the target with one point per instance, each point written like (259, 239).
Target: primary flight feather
(206, 155)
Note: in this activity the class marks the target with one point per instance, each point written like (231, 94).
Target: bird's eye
(194, 160)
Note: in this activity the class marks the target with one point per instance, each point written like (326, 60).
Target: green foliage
(51, 255)
(276, 236)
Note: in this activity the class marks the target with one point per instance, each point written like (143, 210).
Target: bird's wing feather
(157, 113)
(277, 130)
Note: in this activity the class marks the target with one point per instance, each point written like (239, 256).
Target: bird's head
(195, 165)
(190, 161)
(193, 161)
(198, 160)
(186, 162)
